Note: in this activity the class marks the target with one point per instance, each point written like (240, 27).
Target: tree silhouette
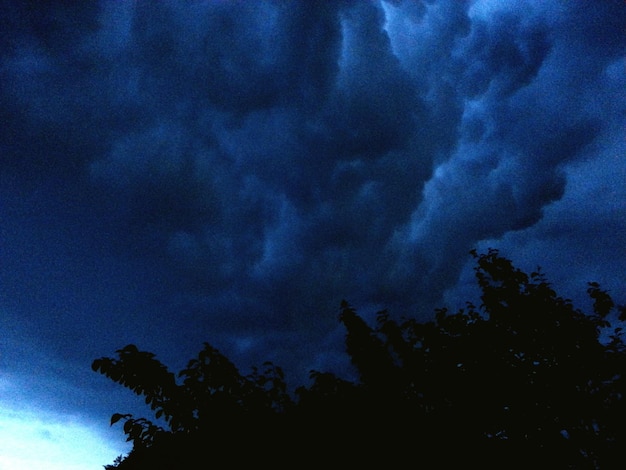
(211, 400)
(524, 379)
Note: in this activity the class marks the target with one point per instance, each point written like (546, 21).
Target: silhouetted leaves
(522, 380)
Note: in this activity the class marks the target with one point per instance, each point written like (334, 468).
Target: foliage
(523, 379)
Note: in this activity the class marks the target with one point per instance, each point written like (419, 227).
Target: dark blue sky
(229, 171)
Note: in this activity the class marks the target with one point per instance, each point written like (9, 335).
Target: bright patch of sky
(35, 439)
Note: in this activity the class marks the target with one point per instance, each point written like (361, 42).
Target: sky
(228, 171)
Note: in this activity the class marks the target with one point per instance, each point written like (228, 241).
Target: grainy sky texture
(229, 171)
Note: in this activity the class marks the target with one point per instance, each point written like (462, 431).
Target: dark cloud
(229, 171)
(503, 53)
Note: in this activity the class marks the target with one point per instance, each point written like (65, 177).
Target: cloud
(243, 166)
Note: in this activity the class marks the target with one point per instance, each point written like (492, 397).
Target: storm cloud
(173, 173)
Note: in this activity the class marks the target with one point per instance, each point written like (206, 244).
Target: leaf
(128, 425)
(116, 417)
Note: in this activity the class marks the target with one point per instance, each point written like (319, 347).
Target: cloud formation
(229, 171)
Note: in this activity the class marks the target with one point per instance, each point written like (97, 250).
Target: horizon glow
(32, 439)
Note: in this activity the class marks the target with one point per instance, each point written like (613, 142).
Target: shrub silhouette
(524, 379)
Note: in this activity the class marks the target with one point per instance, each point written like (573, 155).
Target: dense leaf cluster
(525, 379)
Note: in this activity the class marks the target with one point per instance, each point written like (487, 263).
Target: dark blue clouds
(229, 171)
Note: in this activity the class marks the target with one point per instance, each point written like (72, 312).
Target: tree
(210, 401)
(523, 379)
